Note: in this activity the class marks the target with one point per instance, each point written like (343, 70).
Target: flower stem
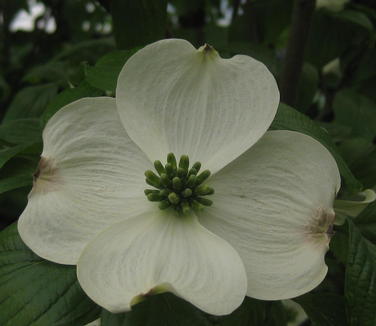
(301, 21)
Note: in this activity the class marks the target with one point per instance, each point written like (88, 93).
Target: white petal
(91, 176)
(355, 207)
(274, 205)
(174, 98)
(162, 252)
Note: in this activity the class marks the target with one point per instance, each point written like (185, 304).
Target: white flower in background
(263, 232)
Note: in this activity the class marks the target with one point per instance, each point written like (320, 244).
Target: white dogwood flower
(257, 224)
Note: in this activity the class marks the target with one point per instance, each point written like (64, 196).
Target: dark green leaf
(35, 292)
(365, 169)
(169, 310)
(159, 310)
(53, 71)
(7, 153)
(21, 131)
(357, 112)
(15, 182)
(30, 102)
(17, 173)
(263, 21)
(324, 309)
(81, 51)
(290, 119)
(256, 51)
(357, 18)
(366, 66)
(137, 23)
(339, 244)
(67, 96)
(360, 280)
(366, 222)
(329, 35)
(307, 87)
(106, 71)
(354, 149)
(255, 312)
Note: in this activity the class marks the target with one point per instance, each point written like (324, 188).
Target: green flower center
(178, 186)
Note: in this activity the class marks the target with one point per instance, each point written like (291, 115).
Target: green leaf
(365, 169)
(366, 222)
(52, 71)
(329, 35)
(339, 244)
(35, 292)
(263, 21)
(159, 310)
(360, 279)
(148, 16)
(366, 66)
(7, 153)
(354, 149)
(290, 119)
(255, 312)
(21, 131)
(324, 309)
(307, 87)
(357, 18)
(257, 51)
(106, 71)
(30, 102)
(67, 96)
(357, 112)
(17, 173)
(169, 310)
(15, 182)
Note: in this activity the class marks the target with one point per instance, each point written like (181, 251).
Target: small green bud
(184, 162)
(151, 175)
(196, 166)
(154, 197)
(185, 207)
(153, 179)
(203, 190)
(191, 181)
(196, 205)
(164, 193)
(173, 198)
(204, 201)
(169, 170)
(164, 204)
(172, 160)
(156, 184)
(159, 167)
(179, 186)
(181, 173)
(165, 180)
(150, 191)
(192, 171)
(176, 183)
(202, 177)
(186, 193)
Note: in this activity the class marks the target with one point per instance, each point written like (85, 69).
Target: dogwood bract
(257, 224)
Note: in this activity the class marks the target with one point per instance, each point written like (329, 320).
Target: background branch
(301, 21)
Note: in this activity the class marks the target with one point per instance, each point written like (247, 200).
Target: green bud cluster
(178, 186)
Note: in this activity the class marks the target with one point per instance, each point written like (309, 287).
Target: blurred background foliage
(55, 51)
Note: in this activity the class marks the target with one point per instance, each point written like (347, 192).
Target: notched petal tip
(320, 230)
(207, 51)
(46, 177)
(161, 288)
